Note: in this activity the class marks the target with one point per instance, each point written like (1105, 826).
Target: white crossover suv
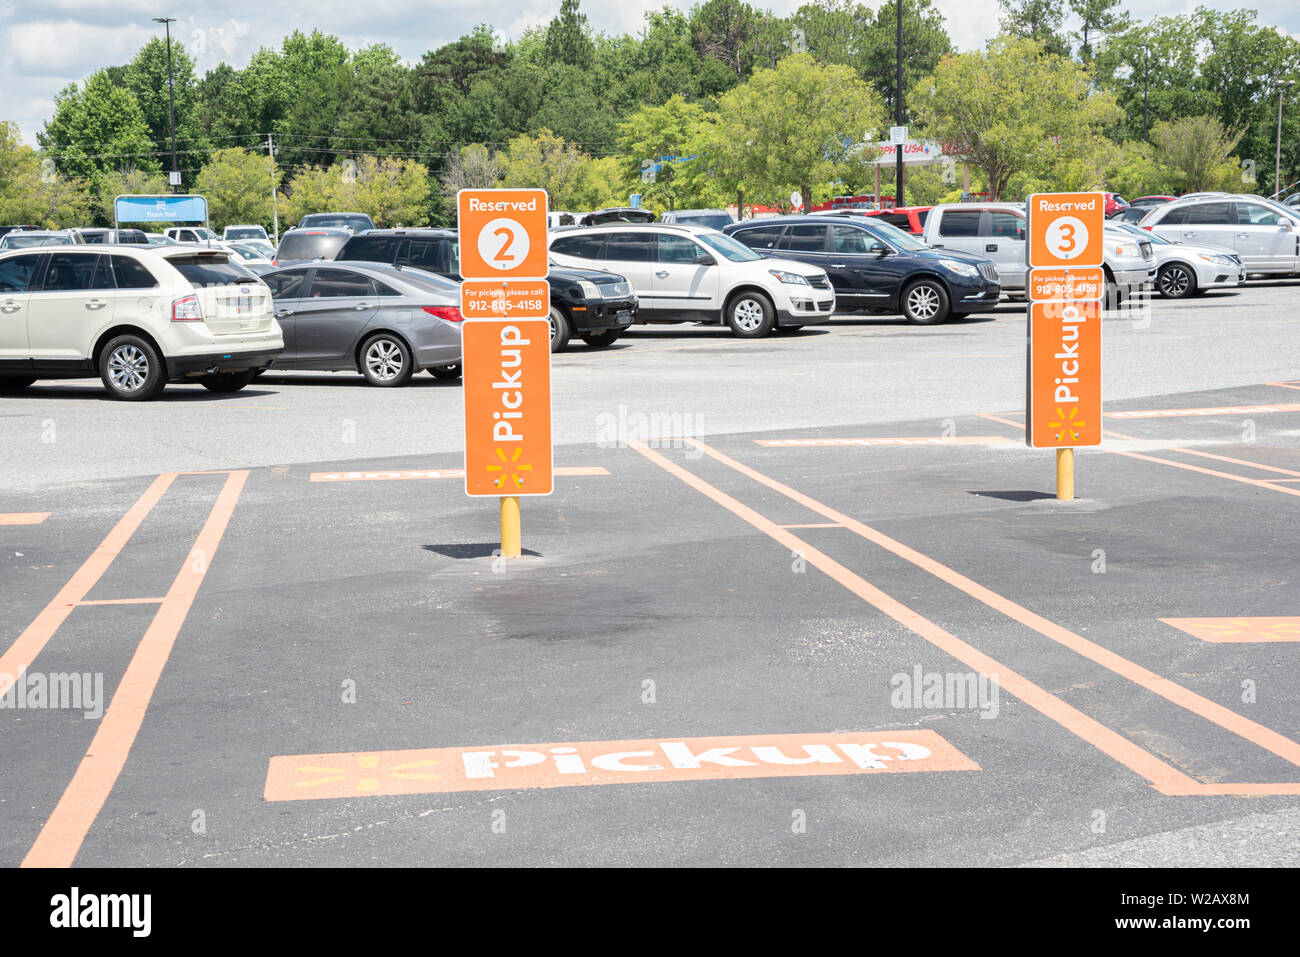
(138, 316)
(685, 273)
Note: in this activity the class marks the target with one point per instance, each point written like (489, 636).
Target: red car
(1114, 203)
(910, 219)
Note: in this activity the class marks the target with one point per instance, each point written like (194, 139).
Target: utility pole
(171, 100)
(275, 200)
(898, 119)
(1146, 72)
(1277, 158)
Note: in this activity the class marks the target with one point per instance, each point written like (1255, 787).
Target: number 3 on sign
(503, 243)
(1067, 237)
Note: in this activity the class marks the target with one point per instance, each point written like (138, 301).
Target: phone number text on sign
(512, 299)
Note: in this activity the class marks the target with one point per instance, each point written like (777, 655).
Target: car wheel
(445, 372)
(15, 383)
(925, 303)
(1176, 281)
(385, 360)
(131, 369)
(1114, 295)
(560, 330)
(751, 315)
(601, 339)
(225, 382)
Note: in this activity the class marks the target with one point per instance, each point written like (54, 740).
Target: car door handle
(283, 312)
(662, 274)
(1243, 235)
(1189, 233)
(936, 245)
(10, 306)
(839, 265)
(96, 304)
(990, 247)
(360, 306)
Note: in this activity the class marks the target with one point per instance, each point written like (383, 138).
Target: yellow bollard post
(511, 534)
(1065, 474)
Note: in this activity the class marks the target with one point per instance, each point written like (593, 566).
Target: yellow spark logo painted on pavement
(365, 776)
(1065, 423)
(512, 465)
(1239, 629)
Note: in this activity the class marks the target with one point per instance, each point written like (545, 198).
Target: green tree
(238, 185)
(1038, 20)
(1097, 18)
(568, 38)
(1197, 153)
(1133, 171)
(146, 79)
(1013, 109)
(33, 191)
(472, 167)
(390, 190)
(724, 30)
(833, 31)
(548, 162)
(655, 133)
(785, 129)
(96, 127)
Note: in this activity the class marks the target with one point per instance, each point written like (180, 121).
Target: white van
(138, 316)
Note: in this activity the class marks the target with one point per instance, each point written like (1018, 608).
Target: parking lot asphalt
(303, 663)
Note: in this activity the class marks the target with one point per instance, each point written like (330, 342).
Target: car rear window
(960, 222)
(356, 223)
(629, 247)
(210, 270)
(582, 246)
(310, 246)
(808, 239)
(371, 249)
(1210, 214)
(760, 237)
(249, 233)
(897, 219)
(131, 274)
(711, 220)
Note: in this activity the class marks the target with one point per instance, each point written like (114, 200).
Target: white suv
(139, 316)
(691, 273)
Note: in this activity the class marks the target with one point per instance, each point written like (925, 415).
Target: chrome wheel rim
(1175, 281)
(128, 368)
(384, 360)
(748, 314)
(923, 302)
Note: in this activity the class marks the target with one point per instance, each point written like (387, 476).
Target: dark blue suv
(877, 267)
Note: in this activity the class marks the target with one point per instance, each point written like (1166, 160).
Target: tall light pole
(898, 119)
(1277, 158)
(171, 100)
(1146, 72)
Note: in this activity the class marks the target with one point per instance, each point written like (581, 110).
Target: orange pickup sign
(507, 388)
(1064, 395)
(502, 233)
(1065, 229)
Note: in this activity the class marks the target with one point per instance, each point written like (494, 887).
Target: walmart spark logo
(364, 776)
(1066, 423)
(510, 469)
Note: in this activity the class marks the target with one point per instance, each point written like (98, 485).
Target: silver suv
(1264, 234)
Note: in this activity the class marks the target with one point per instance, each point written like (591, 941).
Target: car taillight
(186, 310)
(1147, 228)
(450, 313)
(275, 262)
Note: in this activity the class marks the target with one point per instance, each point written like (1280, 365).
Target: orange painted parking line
(1284, 385)
(66, 827)
(300, 777)
(868, 442)
(1211, 711)
(815, 525)
(1206, 410)
(397, 475)
(1235, 630)
(1162, 776)
(23, 518)
(124, 601)
(24, 650)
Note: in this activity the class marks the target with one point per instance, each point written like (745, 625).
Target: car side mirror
(880, 249)
(704, 259)
(1288, 226)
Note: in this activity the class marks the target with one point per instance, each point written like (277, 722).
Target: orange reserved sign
(1066, 285)
(502, 233)
(1065, 229)
(507, 389)
(509, 299)
(1063, 405)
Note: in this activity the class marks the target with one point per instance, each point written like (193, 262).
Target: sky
(47, 44)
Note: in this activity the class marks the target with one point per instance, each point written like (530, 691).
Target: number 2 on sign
(503, 243)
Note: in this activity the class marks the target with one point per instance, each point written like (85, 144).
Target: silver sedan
(383, 321)
(1188, 269)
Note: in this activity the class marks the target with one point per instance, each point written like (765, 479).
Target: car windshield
(904, 241)
(354, 222)
(21, 241)
(710, 220)
(310, 246)
(733, 249)
(247, 232)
